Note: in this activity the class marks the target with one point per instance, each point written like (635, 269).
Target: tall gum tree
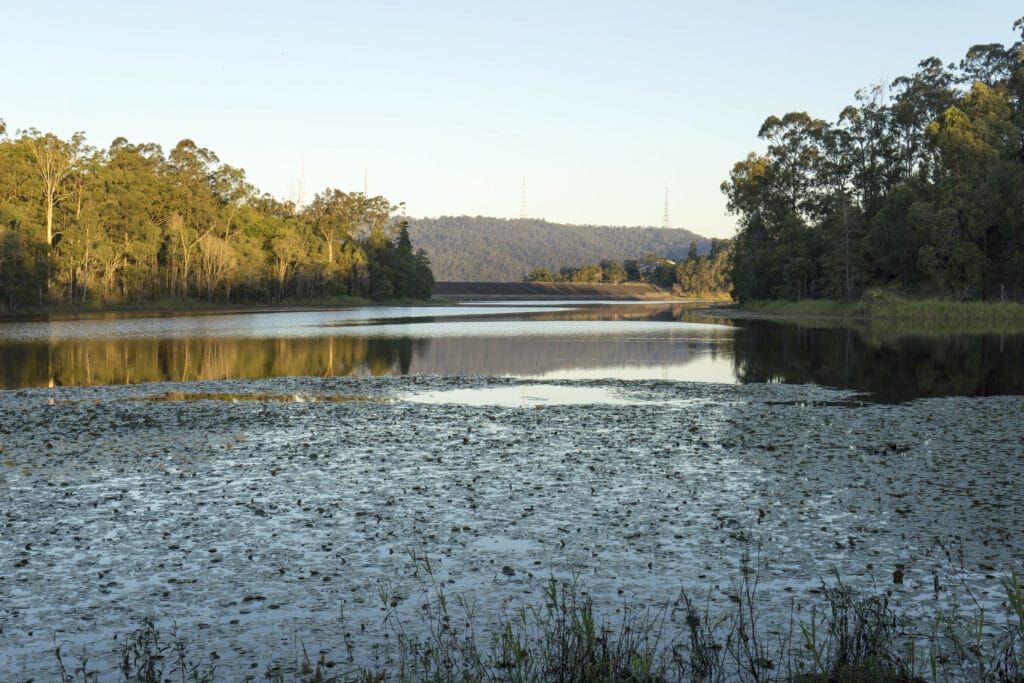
(54, 161)
(332, 217)
(132, 217)
(193, 204)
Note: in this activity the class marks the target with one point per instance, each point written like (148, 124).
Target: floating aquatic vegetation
(114, 505)
(239, 397)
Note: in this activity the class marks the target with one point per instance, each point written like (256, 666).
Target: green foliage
(131, 225)
(916, 187)
(614, 272)
(707, 275)
(540, 275)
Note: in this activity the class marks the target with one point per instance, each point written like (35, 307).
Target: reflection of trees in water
(658, 312)
(893, 368)
(537, 355)
(541, 355)
(97, 362)
(121, 361)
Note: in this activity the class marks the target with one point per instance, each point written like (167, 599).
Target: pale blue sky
(448, 105)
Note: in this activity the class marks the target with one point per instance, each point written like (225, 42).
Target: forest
(131, 225)
(484, 249)
(708, 274)
(917, 188)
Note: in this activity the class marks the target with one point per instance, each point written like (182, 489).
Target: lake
(560, 340)
(259, 481)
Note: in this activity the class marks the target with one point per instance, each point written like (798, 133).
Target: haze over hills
(485, 249)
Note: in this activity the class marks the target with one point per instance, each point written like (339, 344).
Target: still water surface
(549, 341)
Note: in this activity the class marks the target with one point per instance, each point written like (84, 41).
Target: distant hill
(483, 249)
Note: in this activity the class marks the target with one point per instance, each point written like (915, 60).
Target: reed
(847, 636)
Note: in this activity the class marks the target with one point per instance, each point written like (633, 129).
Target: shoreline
(887, 314)
(206, 308)
(876, 312)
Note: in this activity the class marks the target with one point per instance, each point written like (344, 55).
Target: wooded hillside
(483, 249)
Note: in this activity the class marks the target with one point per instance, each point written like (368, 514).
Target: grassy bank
(563, 636)
(883, 309)
(717, 297)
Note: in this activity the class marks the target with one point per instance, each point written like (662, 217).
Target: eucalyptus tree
(191, 204)
(80, 231)
(919, 99)
(976, 145)
(590, 272)
(1001, 69)
(133, 214)
(989, 63)
(289, 248)
(376, 218)
(613, 271)
(13, 273)
(918, 187)
(232, 191)
(793, 149)
(216, 263)
(333, 215)
(776, 195)
(53, 160)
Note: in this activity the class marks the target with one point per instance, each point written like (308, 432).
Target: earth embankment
(547, 290)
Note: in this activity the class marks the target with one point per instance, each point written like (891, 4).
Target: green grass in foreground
(562, 638)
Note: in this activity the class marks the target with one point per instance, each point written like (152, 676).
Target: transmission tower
(522, 201)
(297, 191)
(664, 219)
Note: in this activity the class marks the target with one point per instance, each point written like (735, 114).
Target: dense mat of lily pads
(289, 520)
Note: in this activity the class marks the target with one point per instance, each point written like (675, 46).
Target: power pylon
(664, 219)
(522, 201)
(297, 190)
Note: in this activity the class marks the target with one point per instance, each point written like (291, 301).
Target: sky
(450, 106)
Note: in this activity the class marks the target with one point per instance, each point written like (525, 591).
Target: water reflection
(265, 324)
(621, 341)
(554, 355)
(888, 367)
(533, 396)
(92, 362)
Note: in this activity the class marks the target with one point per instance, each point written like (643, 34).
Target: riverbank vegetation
(706, 276)
(564, 636)
(915, 187)
(880, 307)
(131, 225)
